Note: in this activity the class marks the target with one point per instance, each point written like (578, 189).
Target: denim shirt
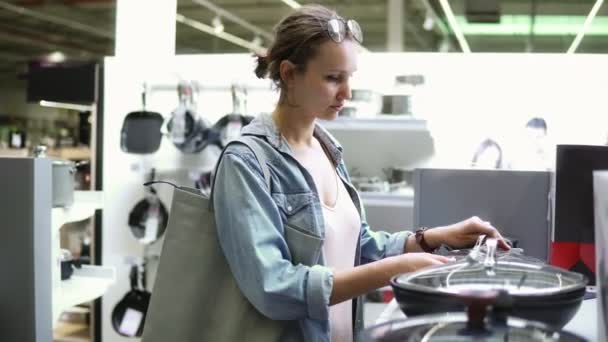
(273, 238)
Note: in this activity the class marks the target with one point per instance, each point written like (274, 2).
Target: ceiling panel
(85, 28)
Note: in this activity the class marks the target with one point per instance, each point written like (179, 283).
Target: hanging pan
(140, 133)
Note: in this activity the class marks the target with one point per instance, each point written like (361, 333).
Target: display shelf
(14, 152)
(85, 204)
(382, 122)
(388, 199)
(86, 284)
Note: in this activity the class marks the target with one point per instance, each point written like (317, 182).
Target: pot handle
(490, 260)
(479, 303)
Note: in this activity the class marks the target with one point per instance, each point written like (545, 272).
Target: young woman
(301, 251)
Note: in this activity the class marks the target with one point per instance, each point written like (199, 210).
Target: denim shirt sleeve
(251, 235)
(376, 245)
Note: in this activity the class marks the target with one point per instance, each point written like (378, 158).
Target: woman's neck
(296, 127)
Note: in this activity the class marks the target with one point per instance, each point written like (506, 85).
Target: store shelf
(377, 123)
(85, 204)
(86, 284)
(388, 199)
(14, 152)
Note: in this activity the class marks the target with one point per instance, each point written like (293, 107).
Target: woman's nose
(345, 92)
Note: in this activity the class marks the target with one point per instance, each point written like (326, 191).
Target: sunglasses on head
(337, 29)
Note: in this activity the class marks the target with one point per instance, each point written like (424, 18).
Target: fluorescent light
(588, 21)
(217, 25)
(223, 35)
(292, 3)
(452, 21)
(544, 25)
(428, 23)
(56, 57)
(82, 108)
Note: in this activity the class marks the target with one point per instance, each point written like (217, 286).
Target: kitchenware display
(396, 104)
(398, 100)
(63, 178)
(204, 181)
(67, 264)
(230, 125)
(141, 130)
(486, 320)
(17, 138)
(148, 219)
(396, 174)
(363, 103)
(129, 314)
(186, 130)
(538, 292)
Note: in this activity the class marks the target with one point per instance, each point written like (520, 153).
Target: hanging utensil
(140, 133)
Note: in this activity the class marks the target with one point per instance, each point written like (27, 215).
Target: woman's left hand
(463, 234)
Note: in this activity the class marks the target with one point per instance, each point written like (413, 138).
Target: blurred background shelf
(389, 199)
(382, 122)
(86, 284)
(85, 204)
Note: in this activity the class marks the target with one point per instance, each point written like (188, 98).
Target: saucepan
(486, 319)
(63, 177)
(538, 291)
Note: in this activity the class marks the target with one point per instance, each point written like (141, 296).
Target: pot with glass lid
(537, 291)
(485, 320)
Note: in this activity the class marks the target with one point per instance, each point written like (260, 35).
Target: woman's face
(323, 87)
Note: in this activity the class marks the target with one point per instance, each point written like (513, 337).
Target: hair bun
(261, 70)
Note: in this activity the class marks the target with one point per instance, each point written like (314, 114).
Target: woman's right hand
(410, 262)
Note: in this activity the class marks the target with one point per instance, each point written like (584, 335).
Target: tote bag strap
(258, 151)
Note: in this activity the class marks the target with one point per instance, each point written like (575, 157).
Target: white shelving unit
(382, 122)
(88, 282)
(372, 144)
(388, 199)
(85, 204)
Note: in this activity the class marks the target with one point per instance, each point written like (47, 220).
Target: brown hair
(296, 38)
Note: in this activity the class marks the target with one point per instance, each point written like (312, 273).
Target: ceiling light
(454, 24)
(588, 21)
(292, 3)
(56, 57)
(428, 23)
(218, 27)
(223, 35)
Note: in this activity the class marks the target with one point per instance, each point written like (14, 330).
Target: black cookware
(486, 319)
(229, 127)
(186, 130)
(140, 133)
(148, 219)
(129, 314)
(67, 264)
(539, 292)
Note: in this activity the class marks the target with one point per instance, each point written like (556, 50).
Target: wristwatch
(422, 242)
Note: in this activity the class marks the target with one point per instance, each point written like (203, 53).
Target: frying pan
(140, 133)
(129, 314)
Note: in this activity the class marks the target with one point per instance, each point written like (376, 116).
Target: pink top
(342, 229)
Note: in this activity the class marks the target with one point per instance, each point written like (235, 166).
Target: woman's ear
(287, 72)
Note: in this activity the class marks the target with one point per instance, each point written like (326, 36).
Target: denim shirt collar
(263, 125)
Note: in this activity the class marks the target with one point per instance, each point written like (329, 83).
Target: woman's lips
(337, 108)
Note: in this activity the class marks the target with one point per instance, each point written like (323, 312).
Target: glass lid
(455, 327)
(483, 270)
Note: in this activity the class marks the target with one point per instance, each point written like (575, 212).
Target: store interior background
(515, 72)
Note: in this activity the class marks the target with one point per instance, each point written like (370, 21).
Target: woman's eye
(334, 78)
